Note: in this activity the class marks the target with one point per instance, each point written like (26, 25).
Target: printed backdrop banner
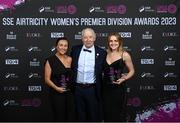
(28, 31)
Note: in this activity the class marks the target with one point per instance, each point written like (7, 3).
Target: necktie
(87, 50)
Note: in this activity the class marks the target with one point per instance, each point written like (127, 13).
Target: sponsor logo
(147, 61)
(34, 49)
(95, 9)
(66, 9)
(33, 75)
(12, 61)
(127, 48)
(146, 87)
(78, 36)
(169, 34)
(170, 62)
(169, 75)
(147, 35)
(11, 36)
(34, 62)
(147, 75)
(35, 102)
(10, 75)
(33, 35)
(45, 9)
(146, 48)
(125, 34)
(120, 9)
(169, 48)
(10, 49)
(34, 88)
(146, 9)
(166, 9)
(57, 34)
(170, 87)
(10, 88)
(9, 102)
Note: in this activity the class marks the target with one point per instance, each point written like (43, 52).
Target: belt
(85, 85)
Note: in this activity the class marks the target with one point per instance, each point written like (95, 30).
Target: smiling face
(62, 47)
(114, 42)
(88, 37)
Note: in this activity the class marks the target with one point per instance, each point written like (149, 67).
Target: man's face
(88, 38)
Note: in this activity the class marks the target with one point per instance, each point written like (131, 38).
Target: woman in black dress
(114, 87)
(58, 76)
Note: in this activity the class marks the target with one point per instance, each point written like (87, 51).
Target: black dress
(62, 103)
(114, 96)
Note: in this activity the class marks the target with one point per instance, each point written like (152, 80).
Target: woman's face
(113, 43)
(62, 47)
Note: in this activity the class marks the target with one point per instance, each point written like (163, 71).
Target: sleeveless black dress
(62, 103)
(114, 96)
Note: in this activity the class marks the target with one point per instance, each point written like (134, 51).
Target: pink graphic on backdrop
(168, 112)
(9, 4)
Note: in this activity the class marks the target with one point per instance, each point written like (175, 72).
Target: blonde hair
(119, 39)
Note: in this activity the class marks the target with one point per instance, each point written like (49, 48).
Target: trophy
(64, 81)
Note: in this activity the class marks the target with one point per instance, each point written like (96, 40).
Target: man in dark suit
(87, 64)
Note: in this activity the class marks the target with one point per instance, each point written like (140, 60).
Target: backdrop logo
(33, 35)
(146, 9)
(66, 9)
(78, 36)
(147, 61)
(10, 4)
(35, 102)
(169, 34)
(169, 48)
(170, 62)
(127, 48)
(34, 49)
(11, 76)
(45, 9)
(146, 87)
(147, 75)
(11, 36)
(166, 9)
(169, 75)
(95, 9)
(12, 61)
(52, 49)
(10, 88)
(146, 48)
(101, 34)
(11, 49)
(35, 62)
(33, 75)
(34, 88)
(170, 87)
(57, 34)
(135, 101)
(125, 34)
(10, 102)
(147, 35)
(120, 9)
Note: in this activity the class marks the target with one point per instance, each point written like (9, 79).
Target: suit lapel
(78, 54)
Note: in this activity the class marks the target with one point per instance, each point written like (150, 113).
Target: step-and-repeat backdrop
(28, 31)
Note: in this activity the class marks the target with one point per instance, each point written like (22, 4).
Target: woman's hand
(119, 81)
(61, 89)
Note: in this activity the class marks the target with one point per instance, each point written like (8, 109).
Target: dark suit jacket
(100, 56)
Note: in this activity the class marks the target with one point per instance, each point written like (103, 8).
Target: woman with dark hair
(114, 81)
(58, 76)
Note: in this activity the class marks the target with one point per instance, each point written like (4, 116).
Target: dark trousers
(63, 106)
(87, 105)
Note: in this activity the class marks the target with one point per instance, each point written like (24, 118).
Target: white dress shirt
(86, 65)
